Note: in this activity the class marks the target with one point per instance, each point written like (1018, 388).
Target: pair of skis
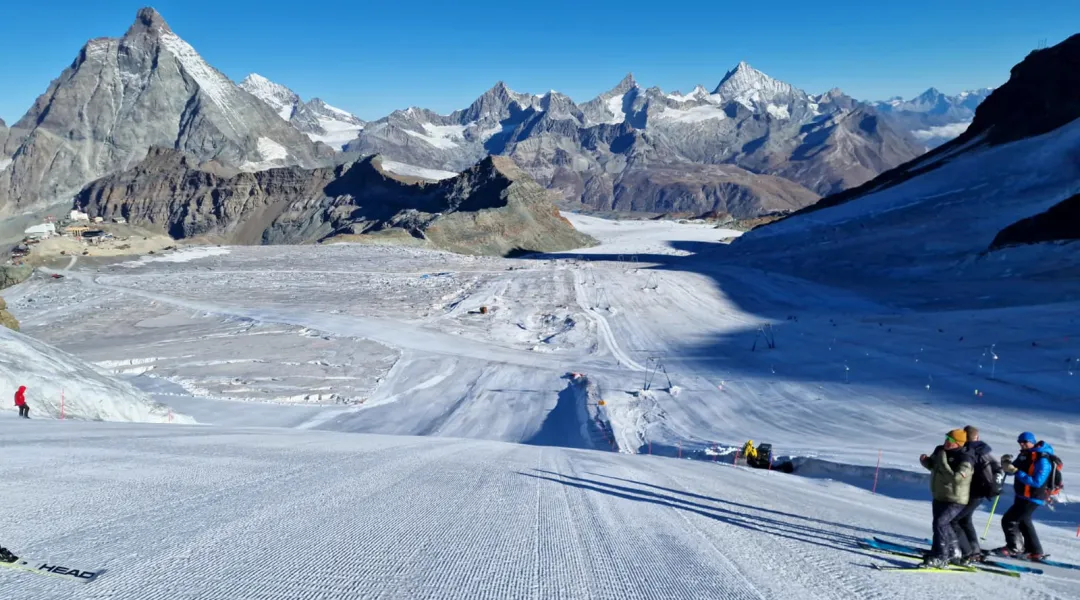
(52, 569)
(886, 547)
(1043, 561)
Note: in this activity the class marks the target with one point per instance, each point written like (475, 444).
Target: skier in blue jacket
(1031, 473)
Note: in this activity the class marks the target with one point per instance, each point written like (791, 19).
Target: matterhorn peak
(148, 20)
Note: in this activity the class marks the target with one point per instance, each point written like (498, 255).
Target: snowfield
(657, 341)
(414, 171)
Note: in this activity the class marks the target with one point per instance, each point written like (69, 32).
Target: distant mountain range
(753, 145)
(932, 117)
(642, 149)
(998, 207)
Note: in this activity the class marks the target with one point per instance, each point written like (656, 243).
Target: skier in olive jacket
(951, 467)
(985, 483)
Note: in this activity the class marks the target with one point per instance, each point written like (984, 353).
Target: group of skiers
(963, 473)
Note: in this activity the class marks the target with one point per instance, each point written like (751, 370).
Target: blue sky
(371, 57)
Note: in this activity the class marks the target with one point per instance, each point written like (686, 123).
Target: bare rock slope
(493, 208)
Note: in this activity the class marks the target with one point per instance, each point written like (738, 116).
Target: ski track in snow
(602, 326)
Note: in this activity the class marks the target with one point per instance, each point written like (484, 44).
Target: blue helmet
(1027, 436)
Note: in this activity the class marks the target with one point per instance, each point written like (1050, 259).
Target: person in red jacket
(20, 401)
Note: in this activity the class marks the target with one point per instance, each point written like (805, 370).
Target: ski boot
(934, 562)
(1007, 552)
(961, 561)
(7, 556)
(974, 557)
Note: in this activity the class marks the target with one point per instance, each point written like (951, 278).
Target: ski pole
(992, 509)
(876, 469)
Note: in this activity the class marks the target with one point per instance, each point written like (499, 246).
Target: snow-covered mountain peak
(322, 108)
(256, 81)
(610, 107)
(494, 104)
(698, 93)
(625, 85)
(319, 121)
(328, 124)
(280, 98)
(748, 86)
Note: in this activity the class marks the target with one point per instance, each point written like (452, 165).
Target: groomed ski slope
(376, 340)
(224, 513)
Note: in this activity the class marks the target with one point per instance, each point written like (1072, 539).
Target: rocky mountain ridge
(491, 208)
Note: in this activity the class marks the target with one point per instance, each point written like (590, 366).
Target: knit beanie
(958, 435)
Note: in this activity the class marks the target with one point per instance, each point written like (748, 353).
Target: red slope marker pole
(735, 462)
(876, 469)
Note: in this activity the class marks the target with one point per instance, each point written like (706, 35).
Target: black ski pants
(964, 529)
(1017, 522)
(944, 534)
(24, 411)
